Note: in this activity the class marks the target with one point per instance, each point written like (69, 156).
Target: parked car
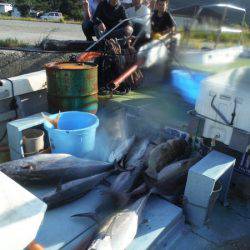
(57, 16)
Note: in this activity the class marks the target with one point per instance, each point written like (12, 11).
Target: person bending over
(162, 21)
(107, 15)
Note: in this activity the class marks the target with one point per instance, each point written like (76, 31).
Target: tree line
(71, 9)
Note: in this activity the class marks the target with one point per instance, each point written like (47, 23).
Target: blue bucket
(75, 134)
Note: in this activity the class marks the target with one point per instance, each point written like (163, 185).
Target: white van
(57, 16)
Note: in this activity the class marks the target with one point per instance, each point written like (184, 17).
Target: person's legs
(88, 29)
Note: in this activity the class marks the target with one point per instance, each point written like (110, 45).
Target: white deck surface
(59, 230)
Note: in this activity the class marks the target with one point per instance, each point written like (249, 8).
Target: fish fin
(92, 216)
(122, 162)
(117, 166)
(59, 187)
(120, 168)
(105, 182)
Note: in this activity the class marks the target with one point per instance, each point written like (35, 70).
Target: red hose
(116, 83)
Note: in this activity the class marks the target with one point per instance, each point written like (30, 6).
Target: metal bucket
(33, 141)
(72, 87)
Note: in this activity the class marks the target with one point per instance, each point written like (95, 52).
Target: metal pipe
(242, 26)
(221, 23)
(116, 83)
(111, 30)
(106, 34)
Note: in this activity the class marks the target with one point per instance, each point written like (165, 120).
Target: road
(34, 32)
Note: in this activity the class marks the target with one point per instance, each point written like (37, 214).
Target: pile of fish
(139, 168)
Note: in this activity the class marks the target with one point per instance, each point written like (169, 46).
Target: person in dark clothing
(107, 15)
(162, 22)
(89, 7)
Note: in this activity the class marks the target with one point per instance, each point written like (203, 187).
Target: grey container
(33, 141)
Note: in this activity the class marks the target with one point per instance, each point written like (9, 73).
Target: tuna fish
(165, 153)
(120, 229)
(136, 153)
(126, 180)
(121, 150)
(73, 190)
(52, 168)
(172, 178)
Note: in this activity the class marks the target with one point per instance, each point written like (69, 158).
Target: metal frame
(226, 7)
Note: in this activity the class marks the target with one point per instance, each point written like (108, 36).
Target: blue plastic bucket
(75, 134)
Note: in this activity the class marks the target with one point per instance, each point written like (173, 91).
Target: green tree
(71, 8)
(23, 7)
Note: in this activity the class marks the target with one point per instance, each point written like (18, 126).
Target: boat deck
(159, 105)
(229, 228)
(60, 231)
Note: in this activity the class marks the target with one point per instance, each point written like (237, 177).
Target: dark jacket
(163, 23)
(110, 15)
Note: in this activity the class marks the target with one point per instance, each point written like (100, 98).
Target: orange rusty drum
(72, 86)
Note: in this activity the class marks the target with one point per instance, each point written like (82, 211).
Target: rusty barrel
(72, 86)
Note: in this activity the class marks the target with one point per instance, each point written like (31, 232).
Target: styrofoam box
(228, 89)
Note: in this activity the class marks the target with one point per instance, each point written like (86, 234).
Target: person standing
(162, 21)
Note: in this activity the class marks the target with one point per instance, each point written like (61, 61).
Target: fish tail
(92, 216)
